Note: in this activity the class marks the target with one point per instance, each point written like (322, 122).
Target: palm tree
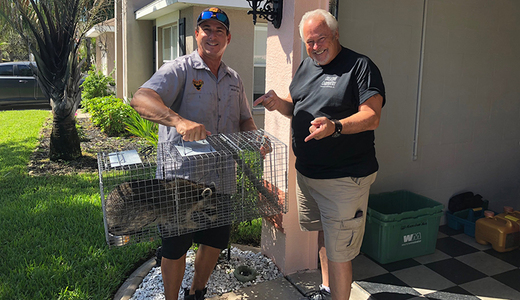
(53, 30)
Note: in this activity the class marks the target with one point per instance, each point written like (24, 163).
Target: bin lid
(398, 205)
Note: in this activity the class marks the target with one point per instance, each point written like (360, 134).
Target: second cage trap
(189, 186)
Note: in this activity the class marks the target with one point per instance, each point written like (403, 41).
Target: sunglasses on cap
(206, 15)
(214, 13)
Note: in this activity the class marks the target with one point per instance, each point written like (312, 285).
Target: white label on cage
(194, 148)
(124, 158)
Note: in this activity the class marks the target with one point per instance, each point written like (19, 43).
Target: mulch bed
(93, 141)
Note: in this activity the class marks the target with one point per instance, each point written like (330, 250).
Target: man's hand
(320, 128)
(269, 100)
(191, 131)
(265, 146)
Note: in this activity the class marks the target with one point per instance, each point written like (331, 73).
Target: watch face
(336, 134)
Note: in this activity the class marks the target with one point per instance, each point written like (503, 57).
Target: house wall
(137, 48)
(105, 53)
(118, 47)
(454, 84)
(191, 18)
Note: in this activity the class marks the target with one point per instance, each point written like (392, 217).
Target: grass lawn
(52, 242)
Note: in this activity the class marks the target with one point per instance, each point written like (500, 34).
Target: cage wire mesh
(183, 187)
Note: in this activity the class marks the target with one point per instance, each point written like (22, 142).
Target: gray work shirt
(188, 87)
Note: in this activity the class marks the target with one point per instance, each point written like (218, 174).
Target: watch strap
(338, 128)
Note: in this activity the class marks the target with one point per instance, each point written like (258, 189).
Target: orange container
(510, 214)
(513, 216)
(501, 231)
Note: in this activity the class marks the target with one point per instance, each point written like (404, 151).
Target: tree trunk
(64, 140)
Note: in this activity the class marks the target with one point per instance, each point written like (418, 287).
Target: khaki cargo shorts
(338, 207)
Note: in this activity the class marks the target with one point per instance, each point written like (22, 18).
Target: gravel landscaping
(222, 279)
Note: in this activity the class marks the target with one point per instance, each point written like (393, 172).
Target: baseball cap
(214, 13)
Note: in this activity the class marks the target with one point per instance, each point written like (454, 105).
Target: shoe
(199, 295)
(317, 295)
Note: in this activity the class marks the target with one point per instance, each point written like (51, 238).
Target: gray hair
(327, 17)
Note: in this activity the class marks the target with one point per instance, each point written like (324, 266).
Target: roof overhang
(100, 28)
(160, 8)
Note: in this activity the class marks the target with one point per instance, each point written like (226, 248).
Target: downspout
(419, 85)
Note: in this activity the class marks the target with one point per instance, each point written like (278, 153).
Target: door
(26, 84)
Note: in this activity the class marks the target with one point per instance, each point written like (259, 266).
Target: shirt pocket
(232, 113)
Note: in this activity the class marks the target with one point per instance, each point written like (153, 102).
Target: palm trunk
(64, 140)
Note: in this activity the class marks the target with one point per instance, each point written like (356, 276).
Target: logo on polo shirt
(329, 82)
(198, 84)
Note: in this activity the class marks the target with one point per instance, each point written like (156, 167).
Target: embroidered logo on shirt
(329, 82)
(198, 84)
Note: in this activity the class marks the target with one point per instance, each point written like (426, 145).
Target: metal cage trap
(189, 186)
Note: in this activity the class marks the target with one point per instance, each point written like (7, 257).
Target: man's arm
(150, 106)
(247, 125)
(367, 118)
(271, 102)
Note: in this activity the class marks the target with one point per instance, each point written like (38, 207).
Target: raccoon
(133, 205)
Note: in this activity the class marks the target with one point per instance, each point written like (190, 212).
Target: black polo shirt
(334, 91)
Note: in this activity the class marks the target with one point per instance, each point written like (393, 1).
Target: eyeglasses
(205, 15)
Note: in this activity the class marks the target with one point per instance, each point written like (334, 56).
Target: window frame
(174, 40)
(258, 27)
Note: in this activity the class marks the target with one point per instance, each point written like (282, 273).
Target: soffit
(159, 8)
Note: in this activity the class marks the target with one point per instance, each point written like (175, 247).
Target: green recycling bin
(400, 225)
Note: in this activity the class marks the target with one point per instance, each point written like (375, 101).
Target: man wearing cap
(194, 96)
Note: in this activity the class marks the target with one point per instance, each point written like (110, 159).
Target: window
(24, 70)
(170, 36)
(259, 59)
(6, 70)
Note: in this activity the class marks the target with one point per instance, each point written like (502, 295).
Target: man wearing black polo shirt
(335, 103)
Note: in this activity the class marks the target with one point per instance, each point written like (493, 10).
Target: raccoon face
(204, 212)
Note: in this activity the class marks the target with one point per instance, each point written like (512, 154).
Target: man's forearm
(286, 108)
(367, 118)
(150, 106)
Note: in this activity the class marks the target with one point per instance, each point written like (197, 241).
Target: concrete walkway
(291, 287)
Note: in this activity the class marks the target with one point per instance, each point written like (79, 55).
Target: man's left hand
(320, 128)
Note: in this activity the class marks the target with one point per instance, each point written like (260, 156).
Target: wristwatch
(337, 130)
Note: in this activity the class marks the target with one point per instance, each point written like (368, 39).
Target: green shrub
(95, 85)
(109, 114)
(143, 128)
(247, 233)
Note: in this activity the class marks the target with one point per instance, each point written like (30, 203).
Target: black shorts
(175, 247)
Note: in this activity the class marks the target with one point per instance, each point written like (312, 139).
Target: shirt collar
(198, 63)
